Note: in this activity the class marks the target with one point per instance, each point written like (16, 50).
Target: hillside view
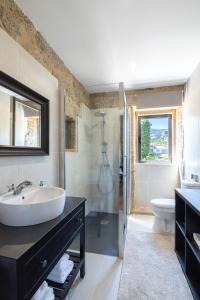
(154, 138)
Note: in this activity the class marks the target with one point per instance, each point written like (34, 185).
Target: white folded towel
(49, 295)
(62, 262)
(66, 266)
(41, 291)
(61, 275)
(196, 237)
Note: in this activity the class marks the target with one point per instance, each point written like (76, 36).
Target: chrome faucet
(11, 188)
(195, 177)
(21, 186)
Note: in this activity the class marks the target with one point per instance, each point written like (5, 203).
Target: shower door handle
(124, 165)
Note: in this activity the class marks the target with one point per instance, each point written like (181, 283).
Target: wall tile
(154, 181)
(17, 63)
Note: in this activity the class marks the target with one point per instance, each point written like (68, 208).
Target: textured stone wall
(111, 99)
(20, 28)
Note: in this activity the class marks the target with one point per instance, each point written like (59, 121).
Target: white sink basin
(32, 206)
(190, 184)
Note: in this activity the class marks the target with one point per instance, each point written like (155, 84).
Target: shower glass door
(124, 173)
(96, 147)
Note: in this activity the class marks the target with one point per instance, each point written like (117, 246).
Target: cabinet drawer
(43, 261)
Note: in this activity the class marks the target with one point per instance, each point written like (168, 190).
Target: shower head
(100, 114)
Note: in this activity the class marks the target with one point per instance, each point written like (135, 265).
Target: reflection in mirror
(20, 120)
(27, 123)
(5, 119)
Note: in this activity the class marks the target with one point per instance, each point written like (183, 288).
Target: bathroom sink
(32, 206)
(190, 184)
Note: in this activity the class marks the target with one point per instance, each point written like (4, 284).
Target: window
(155, 138)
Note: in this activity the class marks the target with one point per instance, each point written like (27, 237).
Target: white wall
(83, 166)
(78, 164)
(5, 128)
(192, 125)
(154, 181)
(19, 64)
(107, 202)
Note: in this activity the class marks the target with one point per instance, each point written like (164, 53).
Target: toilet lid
(167, 203)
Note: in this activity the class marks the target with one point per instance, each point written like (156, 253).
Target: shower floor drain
(104, 222)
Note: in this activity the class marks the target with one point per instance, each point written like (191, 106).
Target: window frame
(170, 136)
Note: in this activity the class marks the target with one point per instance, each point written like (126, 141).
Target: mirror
(24, 117)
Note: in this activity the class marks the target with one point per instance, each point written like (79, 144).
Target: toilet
(164, 211)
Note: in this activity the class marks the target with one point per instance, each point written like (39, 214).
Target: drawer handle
(44, 263)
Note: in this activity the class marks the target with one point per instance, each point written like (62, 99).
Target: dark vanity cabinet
(28, 254)
(187, 223)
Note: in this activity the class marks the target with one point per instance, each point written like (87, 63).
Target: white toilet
(164, 211)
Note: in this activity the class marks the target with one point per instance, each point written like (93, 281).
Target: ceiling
(140, 42)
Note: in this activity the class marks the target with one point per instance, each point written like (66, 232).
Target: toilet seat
(164, 212)
(163, 203)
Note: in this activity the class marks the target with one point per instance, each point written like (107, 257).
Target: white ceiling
(140, 42)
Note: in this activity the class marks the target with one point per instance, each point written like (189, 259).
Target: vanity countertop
(16, 241)
(192, 197)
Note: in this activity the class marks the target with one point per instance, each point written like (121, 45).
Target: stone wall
(21, 29)
(111, 99)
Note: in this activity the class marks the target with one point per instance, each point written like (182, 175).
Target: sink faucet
(21, 186)
(11, 188)
(195, 177)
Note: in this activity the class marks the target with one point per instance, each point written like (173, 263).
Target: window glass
(155, 138)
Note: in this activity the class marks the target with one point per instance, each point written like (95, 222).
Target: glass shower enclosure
(96, 168)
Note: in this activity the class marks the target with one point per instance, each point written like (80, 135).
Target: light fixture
(133, 66)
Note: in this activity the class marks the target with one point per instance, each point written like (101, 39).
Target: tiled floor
(141, 222)
(101, 281)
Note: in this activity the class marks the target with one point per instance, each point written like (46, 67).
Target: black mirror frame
(19, 88)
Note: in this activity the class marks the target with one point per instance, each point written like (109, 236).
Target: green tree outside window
(145, 138)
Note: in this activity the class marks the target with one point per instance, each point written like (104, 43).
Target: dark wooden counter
(188, 223)
(192, 197)
(28, 254)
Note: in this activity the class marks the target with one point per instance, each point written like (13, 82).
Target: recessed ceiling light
(133, 66)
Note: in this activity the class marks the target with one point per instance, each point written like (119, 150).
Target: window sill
(171, 164)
